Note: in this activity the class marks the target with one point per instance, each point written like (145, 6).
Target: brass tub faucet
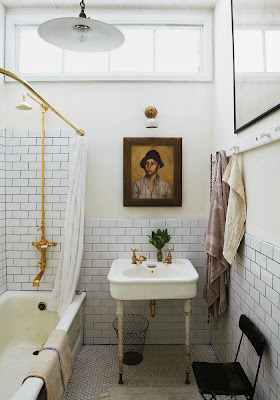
(42, 247)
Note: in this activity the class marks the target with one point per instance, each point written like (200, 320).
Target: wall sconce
(151, 113)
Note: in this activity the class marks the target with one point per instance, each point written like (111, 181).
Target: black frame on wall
(259, 117)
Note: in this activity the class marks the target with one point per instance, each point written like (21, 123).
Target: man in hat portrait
(151, 186)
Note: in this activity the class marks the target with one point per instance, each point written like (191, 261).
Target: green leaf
(159, 238)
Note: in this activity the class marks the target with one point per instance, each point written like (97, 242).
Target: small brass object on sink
(134, 258)
(169, 258)
(142, 258)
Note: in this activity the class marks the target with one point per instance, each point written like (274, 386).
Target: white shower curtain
(72, 244)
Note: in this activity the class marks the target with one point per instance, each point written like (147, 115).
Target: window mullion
(201, 51)
(17, 57)
(154, 50)
(264, 51)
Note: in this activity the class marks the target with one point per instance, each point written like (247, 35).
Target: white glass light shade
(151, 123)
(62, 32)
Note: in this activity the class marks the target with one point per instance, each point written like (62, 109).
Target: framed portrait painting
(152, 172)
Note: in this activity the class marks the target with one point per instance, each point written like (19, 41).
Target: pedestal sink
(152, 280)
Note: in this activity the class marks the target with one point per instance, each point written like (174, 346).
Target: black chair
(229, 378)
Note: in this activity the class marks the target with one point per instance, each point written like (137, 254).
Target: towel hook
(235, 149)
(265, 134)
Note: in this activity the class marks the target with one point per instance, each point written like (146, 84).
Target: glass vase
(159, 256)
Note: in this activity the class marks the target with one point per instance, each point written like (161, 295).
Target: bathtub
(23, 330)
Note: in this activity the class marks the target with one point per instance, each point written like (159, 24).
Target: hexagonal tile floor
(163, 366)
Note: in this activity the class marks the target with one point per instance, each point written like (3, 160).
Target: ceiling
(112, 4)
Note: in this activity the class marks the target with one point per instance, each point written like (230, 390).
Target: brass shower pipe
(43, 244)
(30, 88)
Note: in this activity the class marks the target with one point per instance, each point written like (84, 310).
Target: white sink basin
(152, 280)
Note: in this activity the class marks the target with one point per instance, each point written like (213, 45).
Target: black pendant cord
(82, 13)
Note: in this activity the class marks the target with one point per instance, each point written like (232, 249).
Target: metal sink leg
(120, 315)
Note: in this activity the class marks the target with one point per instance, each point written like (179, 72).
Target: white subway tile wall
(24, 203)
(3, 272)
(105, 240)
(255, 291)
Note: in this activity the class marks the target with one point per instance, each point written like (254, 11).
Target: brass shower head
(23, 105)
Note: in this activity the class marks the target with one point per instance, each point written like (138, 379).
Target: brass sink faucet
(169, 258)
(134, 258)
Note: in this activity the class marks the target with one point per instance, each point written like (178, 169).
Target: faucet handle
(169, 258)
(134, 258)
(51, 244)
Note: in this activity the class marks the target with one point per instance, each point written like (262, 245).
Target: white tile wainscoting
(106, 240)
(255, 291)
(3, 274)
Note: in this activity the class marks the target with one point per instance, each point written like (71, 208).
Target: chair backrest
(257, 340)
(252, 333)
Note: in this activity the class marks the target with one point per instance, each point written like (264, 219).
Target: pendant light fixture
(81, 33)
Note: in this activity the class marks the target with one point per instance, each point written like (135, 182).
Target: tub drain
(42, 306)
(35, 353)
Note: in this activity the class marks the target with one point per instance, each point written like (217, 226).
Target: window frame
(257, 24)
(124, 18)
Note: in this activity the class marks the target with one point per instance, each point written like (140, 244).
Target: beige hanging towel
(54, 365)
(236, 211)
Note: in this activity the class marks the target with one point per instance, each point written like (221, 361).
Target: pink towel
(216, 265)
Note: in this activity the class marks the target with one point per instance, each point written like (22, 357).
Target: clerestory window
(175, 50)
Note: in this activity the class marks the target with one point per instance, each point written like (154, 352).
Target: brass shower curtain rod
(24, 83)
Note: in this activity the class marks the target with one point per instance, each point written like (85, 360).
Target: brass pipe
(153, 308)
(38, 278)
(44, 243)
(30, 88)
(43, 165)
